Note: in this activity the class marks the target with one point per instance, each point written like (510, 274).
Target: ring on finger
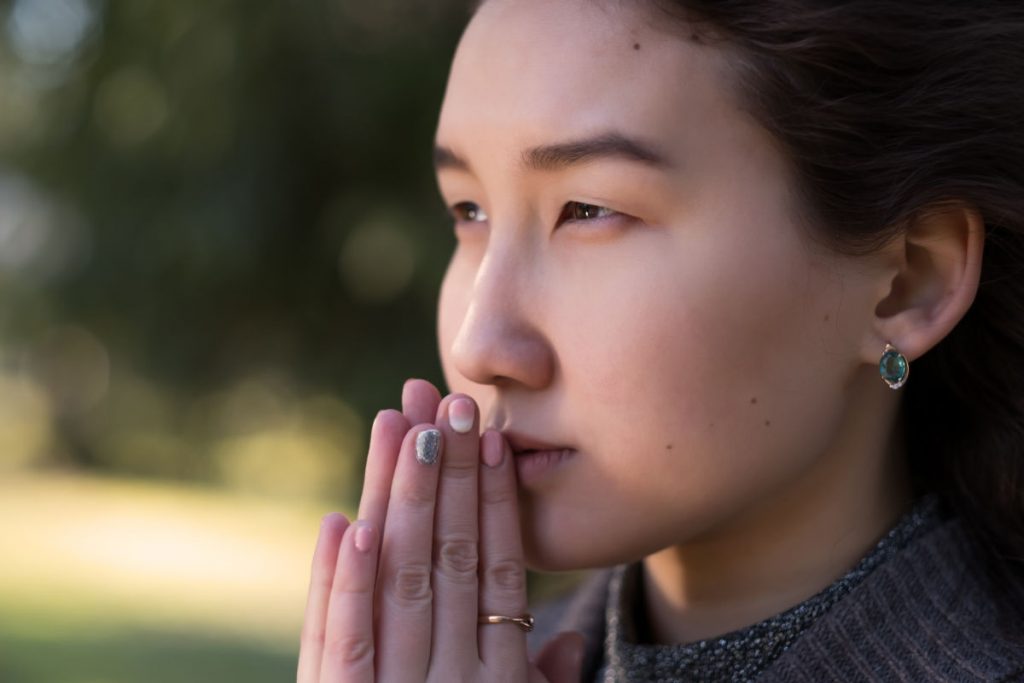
(524, 622)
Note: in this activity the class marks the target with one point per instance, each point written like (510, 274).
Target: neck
(786, 548)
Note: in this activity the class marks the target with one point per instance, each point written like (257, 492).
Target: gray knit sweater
(923, 611)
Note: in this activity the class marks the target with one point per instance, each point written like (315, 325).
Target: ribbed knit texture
(927, 613)
(743, 654)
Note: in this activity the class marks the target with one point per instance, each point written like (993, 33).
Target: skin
(403, 606)
(714, 372)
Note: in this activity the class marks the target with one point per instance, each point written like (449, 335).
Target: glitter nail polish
(428, 446)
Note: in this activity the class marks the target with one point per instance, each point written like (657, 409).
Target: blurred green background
(220, 251)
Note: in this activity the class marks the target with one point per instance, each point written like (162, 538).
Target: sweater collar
(744, 653)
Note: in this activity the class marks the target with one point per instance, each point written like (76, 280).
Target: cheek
(692, 378)
(693, 337)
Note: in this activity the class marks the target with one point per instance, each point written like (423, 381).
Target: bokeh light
(40, 237)
(378, 258)
(49, 31)
(131, 106)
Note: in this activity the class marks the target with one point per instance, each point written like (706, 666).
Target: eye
(578, 212)
(468, 212)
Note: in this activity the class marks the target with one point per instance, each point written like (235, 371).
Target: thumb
(561, 658)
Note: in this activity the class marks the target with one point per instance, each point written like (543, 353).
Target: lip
(520, 443)
(534, 467)
(536, 459)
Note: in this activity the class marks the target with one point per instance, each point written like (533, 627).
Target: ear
(937, 268)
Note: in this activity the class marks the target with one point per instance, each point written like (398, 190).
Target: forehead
(530, 71)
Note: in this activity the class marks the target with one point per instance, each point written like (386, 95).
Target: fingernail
(428, 446)
(493, 452)
(460, 415)
(365, 538)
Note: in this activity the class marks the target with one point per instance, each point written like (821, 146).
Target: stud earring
(894, 366)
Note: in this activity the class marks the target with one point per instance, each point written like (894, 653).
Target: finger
(502, 572)
(386, 434)
(348, 640)
(561, 658)
(420, 399)
(456, 534)
(325, 557)
(406, 598)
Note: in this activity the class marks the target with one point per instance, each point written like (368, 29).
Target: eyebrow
(562, 155)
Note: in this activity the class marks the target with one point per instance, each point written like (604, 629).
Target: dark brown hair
(887, 109)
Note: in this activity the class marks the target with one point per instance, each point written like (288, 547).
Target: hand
(395, 596)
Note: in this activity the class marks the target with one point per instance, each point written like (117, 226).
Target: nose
(499, 341)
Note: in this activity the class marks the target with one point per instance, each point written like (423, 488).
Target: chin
(544, 553)
(557, 539)
(552, 552)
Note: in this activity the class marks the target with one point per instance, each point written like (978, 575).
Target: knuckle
(411, 585)
(461, 468)
(457, 558)
(506, 575)
(498, 494)
(417, 495)
(350, 649)
(502, 675)
(340, 588)
(463, 676)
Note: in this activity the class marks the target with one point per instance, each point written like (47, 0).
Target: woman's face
(629, 281)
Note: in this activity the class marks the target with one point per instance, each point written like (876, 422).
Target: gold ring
(524, 622)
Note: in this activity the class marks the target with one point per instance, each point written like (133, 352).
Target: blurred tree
(219, 227)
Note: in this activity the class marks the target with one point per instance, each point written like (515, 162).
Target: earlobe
(935, 283)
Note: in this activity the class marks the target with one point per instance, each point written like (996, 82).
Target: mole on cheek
(668, 447)
(767, 423)
(753, 400)
(636, 46)
(827, 317)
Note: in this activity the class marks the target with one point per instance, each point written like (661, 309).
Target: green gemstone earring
(894, 366)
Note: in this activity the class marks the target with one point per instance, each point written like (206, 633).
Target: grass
(121, 652)
(106, 580)
(122, 581)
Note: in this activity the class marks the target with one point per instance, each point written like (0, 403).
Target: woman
(700, 244)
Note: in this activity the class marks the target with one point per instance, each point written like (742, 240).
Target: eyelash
(473, 210)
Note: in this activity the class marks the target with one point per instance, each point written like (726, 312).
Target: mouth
(548, 452)
(524, 444)
(536, 459)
